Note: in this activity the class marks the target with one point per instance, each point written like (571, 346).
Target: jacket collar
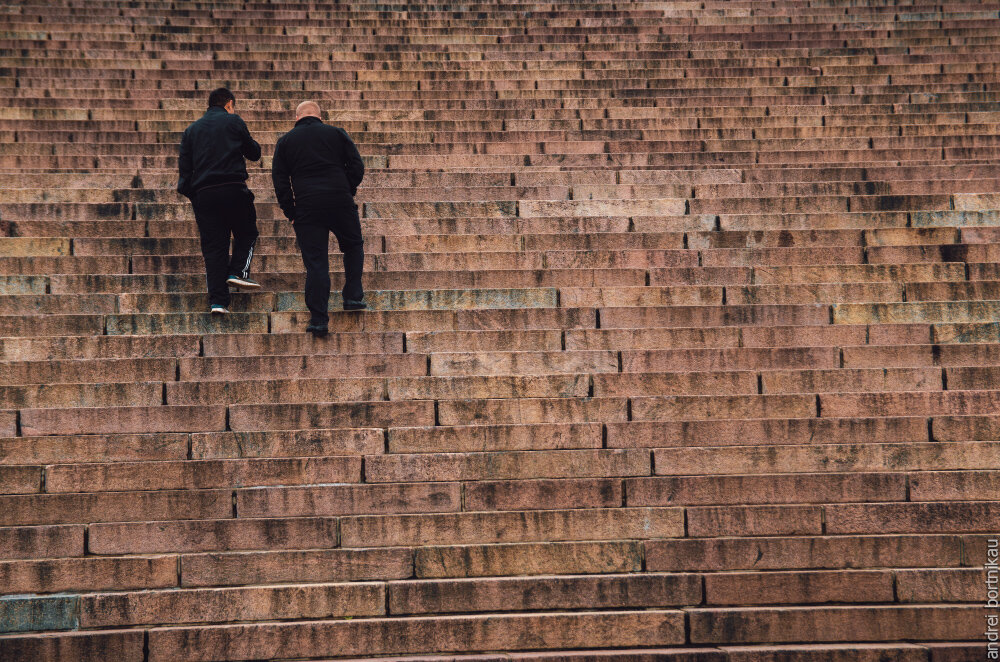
(309, 119)
(215, 109)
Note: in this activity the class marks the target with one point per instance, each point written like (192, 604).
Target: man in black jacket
(213, 176)
(316, 171)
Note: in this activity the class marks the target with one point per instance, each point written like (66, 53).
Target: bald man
(316, 171)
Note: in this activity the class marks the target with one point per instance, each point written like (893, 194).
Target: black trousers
(313, 225)
(222, 211)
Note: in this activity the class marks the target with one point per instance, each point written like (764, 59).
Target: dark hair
(220, 97)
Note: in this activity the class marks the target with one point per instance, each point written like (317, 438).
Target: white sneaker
(247, 283)
(219, 310)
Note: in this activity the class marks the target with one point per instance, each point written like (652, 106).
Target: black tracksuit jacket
(315, 162)
(212, 151)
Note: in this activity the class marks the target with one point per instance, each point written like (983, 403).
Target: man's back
(213, 150)
(316, 170)
(212, 174)
(320, 160)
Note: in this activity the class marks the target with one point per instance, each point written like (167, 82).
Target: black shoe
(247, 283)
(351, 304)
(318, 330)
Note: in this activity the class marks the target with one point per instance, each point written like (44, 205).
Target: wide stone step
(494, 438)
(745, 653)
(89, 371)
(89, 448)
(912, 403)
(48, 509)
(97, 420)
(829, 624)
(121, 394)
(295, 322)
(512, 465)
(299, 391)
(967, 356)
(413, 635)
(527, 594)
(410, 634)
(262, 302)
(914, 455)
(290, 281)
(774, 381)
(375, 228)
(740, 490)
(833, 282)
(200, 474)
(201, 369)
(803, 429)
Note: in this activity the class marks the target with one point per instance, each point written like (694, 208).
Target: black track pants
(313, 226)
(221, 212)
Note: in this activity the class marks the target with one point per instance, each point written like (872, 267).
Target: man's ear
(230, 106)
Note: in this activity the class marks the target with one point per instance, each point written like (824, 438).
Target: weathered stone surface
(940, 585)
(931, 517)
(233, 604)
(33, 247)
(682, 407)
(438, 299)
(907, 456)
(488, 386)
(528, 558)
(212, 535)
(252, 418)
(538, 494)
(32, 613)
(348, 499)
(567, 592)
(8, 422)
(287, 443)
(755, 588)
(200, 474)
(905, 313)
(445, 634)
(528, 411)
(666, 206)
(185, 323)
(776, 431)
(954, 485)
(754, 520)
(951, 652)
(87, 448)
(772, 488)
(507, 465)
(125, 645)
(486, 438)
(781, 624)
(99, 420)
(56, 575)
(282, 567)
(894, 652)
(41, 542)
(804, 552)
(465, 528)
(34, 509)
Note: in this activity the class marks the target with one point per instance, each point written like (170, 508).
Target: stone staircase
(684, 342)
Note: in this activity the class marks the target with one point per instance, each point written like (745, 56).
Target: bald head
(306, 109)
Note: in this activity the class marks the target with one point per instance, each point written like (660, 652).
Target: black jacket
(315, 162)
(212, 151)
